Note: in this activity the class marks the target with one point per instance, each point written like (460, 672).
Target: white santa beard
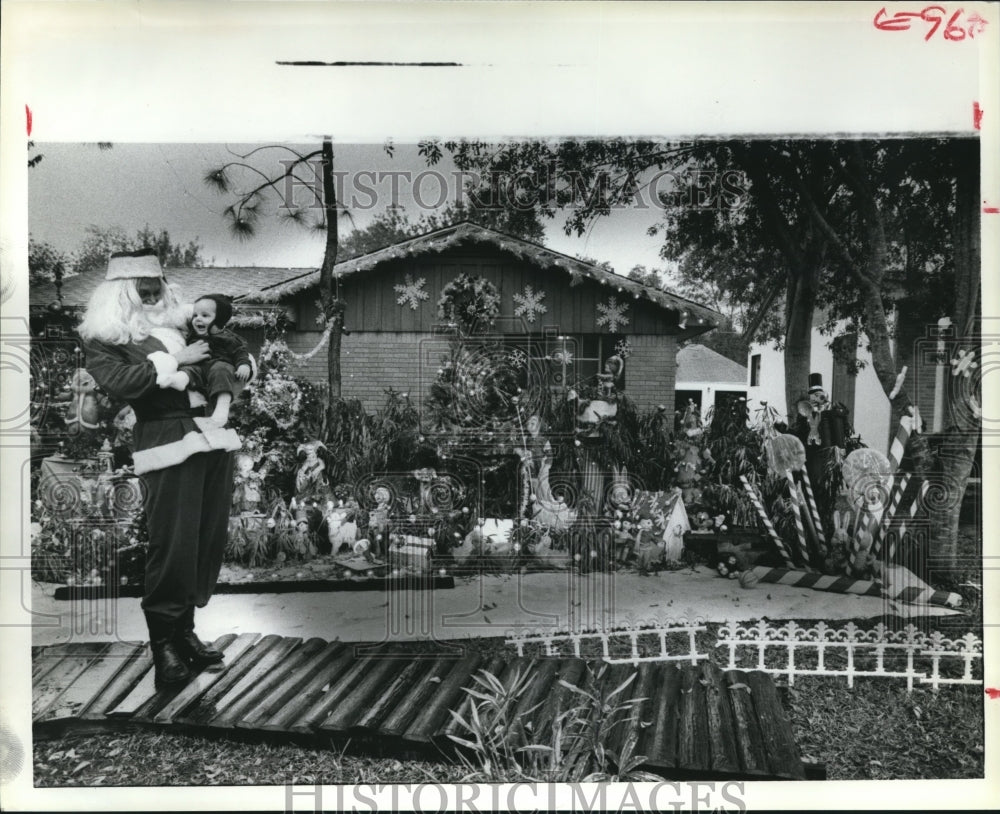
(172, 339)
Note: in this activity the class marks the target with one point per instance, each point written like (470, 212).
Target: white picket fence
(895, 653)
(846, 651)
(675, 642)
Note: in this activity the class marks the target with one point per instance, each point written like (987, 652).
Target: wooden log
(120, 686)
(205, 708)
(659, 742)
(749, 740)
(232, 647)
(390, 697)
(522, 729)
(54, 682)
(89, 683)
(365, 692)
(291, 687)
(641, 690)
(429, 719)
(782, 752)
(406, 710)
(263, 667)
(282, 664)
(692, 723)
(48, 657)
(330, 671)
(721, 735)
(335, 692)
(560, 698)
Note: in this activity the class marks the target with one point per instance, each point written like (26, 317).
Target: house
(549, 302)
(707, 378)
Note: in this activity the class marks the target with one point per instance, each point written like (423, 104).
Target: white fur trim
(179, 380)
(166, 367)
(167, 455)
(130, 267)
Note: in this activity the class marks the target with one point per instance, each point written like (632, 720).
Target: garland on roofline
(536, 254)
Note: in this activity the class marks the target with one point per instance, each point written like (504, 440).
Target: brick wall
(373, 361)
(370, 363)
(651, 371)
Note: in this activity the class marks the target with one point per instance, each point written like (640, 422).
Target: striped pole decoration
(800, 530)
(768, 525)
(905, 586)
(927, 596)
(813, 510)
(818, 582)
(899, 487)
(898, 446)
(908, 517)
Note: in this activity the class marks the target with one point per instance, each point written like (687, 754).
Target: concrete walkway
(482, 606)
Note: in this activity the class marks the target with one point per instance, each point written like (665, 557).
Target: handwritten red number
(936, 20)
(953, 31)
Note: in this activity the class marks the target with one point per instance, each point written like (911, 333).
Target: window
(585, 356)
(755, 370)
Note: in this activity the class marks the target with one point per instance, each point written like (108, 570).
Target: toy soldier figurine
(822, 429)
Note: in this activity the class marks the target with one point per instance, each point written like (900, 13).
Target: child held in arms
(227, 368)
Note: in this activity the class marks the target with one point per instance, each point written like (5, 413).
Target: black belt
(184, 412)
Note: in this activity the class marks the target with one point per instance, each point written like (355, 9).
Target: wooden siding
(371, 297)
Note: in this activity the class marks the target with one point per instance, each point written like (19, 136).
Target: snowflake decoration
(411, 292)
(612, 314)
(529, 304)
(563, 357)
(964, 363)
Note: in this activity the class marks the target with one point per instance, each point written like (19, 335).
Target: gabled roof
(234, 281)
(468, 232)
(696, 363)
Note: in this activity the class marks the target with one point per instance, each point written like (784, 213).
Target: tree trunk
(801, 302)
(962, 428)
(333, 306)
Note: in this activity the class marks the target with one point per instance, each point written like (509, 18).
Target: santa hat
(129, 265)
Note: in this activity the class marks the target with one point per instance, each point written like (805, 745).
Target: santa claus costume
(133, 347)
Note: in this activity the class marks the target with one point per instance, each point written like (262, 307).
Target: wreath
(469, 303)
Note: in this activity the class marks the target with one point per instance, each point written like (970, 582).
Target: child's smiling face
(203, 317)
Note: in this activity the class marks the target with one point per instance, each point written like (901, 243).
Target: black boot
(193, 649)
(169, 668)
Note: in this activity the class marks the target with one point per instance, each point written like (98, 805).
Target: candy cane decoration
(814, 511)
(880, 531)
(908, 516)
(797, 512)
(768, 526)
(898, 446)
(818, 582)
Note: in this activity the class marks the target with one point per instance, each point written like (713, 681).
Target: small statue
(247, 485)
(648, 552)
(378, 521)
(310, 478)
(82, 412)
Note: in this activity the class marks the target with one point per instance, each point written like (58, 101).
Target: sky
(161, 185)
